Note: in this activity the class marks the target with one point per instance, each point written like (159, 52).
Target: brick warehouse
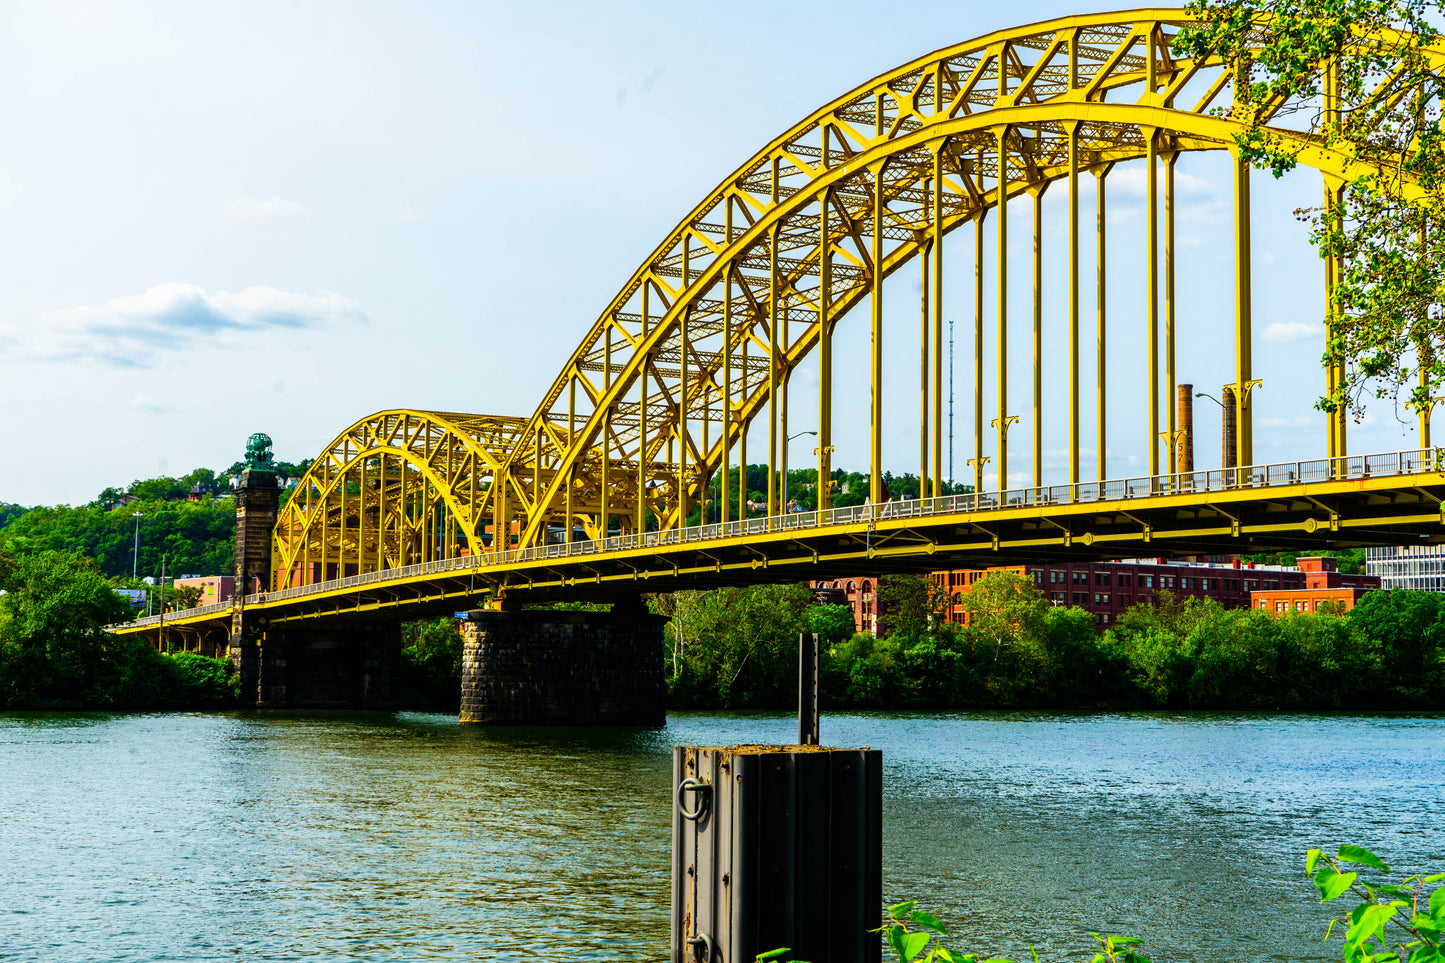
(1107, 589)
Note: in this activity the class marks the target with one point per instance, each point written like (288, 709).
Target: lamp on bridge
(1228, 440)
(785, 465)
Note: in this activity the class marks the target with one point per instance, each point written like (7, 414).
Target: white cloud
(272, 208)
(1131, 182)
(409, 215)
(145, 402)
(1287, 332)
(130, 331)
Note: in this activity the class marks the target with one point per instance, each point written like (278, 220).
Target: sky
(224, 218)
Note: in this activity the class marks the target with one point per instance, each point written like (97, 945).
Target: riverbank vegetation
(56, 654)
(737, 647)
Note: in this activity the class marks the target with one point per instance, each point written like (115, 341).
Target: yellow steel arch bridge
(595, 488)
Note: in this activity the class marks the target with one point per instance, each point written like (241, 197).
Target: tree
(1007, 611)
(54, 650)
(679, 607)
(1380, 106)
(909, 605)
(833, 622)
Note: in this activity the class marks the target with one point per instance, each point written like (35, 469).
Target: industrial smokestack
(1231, 440)
(1184, 404)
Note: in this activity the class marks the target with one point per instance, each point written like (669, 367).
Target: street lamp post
(785, 465)
(135, 551)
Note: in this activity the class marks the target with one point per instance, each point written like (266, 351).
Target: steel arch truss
(706, 334)
(398, 488)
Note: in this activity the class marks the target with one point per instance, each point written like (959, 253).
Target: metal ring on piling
(704, 792)
(703, 940)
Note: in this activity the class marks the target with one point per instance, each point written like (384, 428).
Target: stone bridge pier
(551, 668)
(351, 665)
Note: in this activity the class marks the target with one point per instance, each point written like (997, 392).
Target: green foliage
(1018, 651)
(431, 665)
(833, 622)
(909, 605)
(9, 512)
(1392, 921)
(1386, 324)
(745, 648)
(56, 654)
(196, 537)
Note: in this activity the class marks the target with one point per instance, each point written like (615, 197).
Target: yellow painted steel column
(1169, 346)
(1101, 273)
(1243, 334)
(682, 505)
(1038, 193)
(825, 354)
(1423, 361)
(1001, 347)
(743, 490)
(1334, 276)
(774, 370)
(604, 488)
(978, 458)
(537, 486)
(937, 252)
(876, 492)
(727, 392)
(642, 457)
(1072, 128)
(925, 319)
(1151, 267)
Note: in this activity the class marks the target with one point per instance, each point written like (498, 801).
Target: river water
(406, 837)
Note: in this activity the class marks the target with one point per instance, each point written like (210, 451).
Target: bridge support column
(354, 666)
(541, 667)
(257, 495)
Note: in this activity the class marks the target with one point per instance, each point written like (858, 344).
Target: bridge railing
(1185, 483)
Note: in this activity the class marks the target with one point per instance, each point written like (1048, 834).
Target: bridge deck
(1390, 498)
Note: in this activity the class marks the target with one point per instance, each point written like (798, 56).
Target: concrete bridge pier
(350, 666)
(550, 668)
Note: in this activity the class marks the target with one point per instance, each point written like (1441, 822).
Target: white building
(1419, 567)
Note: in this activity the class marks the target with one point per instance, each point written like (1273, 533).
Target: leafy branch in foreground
(1394, 922)
(910, 933)
(1364, 72)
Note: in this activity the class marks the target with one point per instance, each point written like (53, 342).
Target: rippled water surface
(407, 837)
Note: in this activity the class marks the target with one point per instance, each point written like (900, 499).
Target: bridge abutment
(541, 667)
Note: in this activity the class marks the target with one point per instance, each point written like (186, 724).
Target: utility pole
(161, 625)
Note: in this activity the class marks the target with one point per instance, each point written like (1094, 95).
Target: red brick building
(1108, 589)
(1323, 583)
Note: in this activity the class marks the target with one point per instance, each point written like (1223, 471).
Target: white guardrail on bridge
(1148, 486)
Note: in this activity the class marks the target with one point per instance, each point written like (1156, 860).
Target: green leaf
(1126, 940)
(1332, 884)
(928, 921)
(900, 911)
(1362, 857)
(1433, 878)
(896, 934)
(774, 954)
(1368, 922)
(913, 944)
(1437, 903)
(1312, 857)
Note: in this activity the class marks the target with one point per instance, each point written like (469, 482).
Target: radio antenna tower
(950, 405)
